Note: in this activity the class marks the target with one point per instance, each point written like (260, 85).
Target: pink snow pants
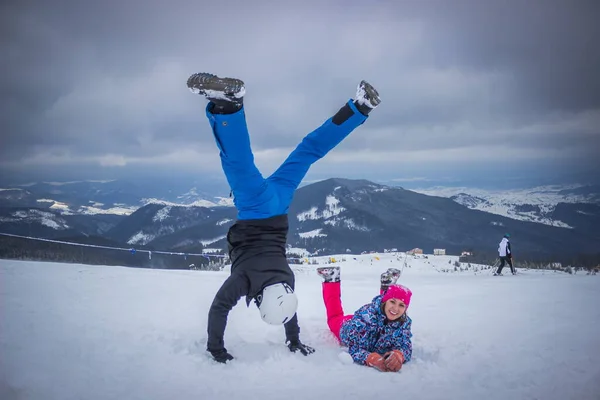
(332, 296)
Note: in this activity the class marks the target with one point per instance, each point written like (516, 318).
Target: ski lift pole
(495, 266)
(404, 263)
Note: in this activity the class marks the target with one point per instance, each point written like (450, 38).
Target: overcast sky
(472, 91)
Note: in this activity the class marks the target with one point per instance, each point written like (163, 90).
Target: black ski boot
(227, 94)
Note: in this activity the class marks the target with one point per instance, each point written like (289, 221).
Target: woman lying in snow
(379, 333)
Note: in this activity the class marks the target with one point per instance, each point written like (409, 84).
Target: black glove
(297, 345)
(221, 356)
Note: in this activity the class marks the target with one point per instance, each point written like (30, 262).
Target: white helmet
(277, 303)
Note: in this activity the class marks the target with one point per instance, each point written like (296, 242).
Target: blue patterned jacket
(368, 332)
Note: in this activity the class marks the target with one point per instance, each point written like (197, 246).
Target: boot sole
(372, 93)
(327, 278)
(205, 84)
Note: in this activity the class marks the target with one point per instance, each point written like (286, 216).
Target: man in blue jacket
(257, 241)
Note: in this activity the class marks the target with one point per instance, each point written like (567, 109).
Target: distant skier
(257, 241)
(379, 333)
(505, 254)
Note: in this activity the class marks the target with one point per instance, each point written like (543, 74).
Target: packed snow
(312, 213)
(141, 238)
(197, 203)
(73, 331)
(61, 207)
(93, 209)
(333, 206)
(583, 212)
(312, 234)
(347, 223)
(225, 201)
(162, 214)
(116, 209)
(213, 240)
(331, 209)
(549, 195)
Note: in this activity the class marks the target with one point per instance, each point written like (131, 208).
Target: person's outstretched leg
(332, 297)
(510, 263)
(333, 305)
(502, 261)
(252, 195)
(322, 140)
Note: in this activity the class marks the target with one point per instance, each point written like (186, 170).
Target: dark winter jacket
(257, 252)
(369, 331)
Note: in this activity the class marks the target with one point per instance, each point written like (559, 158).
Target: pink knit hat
(397, 292)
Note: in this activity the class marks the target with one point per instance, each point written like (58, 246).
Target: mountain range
(544, 204)
(331, 216)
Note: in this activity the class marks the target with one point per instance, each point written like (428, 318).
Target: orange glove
(376, 360)
(393, 360)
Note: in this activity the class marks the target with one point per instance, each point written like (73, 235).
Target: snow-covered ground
(71, 331)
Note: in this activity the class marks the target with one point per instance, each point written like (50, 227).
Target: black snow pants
(505, 260)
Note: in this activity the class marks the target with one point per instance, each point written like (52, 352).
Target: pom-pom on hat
(397, 292)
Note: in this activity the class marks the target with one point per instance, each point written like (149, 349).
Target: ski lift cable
(125, 249)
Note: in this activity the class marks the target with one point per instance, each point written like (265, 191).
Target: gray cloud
(99, 87)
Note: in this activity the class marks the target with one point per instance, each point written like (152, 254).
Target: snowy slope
(75, 331)
(222, 202)
(35, 216)
(532, 204)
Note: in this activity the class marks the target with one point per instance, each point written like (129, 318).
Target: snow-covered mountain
(59, 209)
(175, 227)
(105, 197)
(340, 215)
(219, 202)
(50, 223)
(538, 204)
(33, 216)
